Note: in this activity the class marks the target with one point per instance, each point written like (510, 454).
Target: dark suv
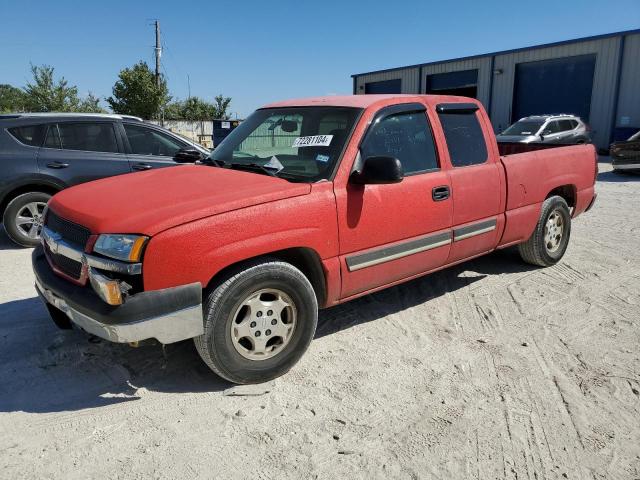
(43, 153)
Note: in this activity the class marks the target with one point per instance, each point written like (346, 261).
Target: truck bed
(510, 148)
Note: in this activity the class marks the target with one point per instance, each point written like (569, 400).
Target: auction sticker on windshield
(313, 141)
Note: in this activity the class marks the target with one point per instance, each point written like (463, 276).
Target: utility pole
(158, 53)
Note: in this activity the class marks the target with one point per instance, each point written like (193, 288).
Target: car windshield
(296, 143)
(524, 127)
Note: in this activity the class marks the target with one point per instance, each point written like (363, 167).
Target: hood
(517, 138)
(149, 202)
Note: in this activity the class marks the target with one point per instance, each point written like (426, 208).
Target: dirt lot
(492, 369)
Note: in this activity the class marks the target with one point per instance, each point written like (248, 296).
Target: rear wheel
(22, 218)
(550, 239)
(258, 322)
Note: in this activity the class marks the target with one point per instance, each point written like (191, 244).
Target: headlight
(121, 247)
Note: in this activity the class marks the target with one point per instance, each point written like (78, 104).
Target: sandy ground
(491, 369)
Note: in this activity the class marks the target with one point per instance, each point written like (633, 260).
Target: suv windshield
(524, 127)
(297, 143)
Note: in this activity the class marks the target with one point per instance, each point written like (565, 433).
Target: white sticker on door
(313, 141)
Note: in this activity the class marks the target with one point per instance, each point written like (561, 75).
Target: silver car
(562, 129)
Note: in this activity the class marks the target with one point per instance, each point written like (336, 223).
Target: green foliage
(222, 106)
(45, 94)
(136, 93)
(90, 104)
(195, 108)
(11, 99)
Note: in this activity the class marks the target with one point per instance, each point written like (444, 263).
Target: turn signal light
(106, 288)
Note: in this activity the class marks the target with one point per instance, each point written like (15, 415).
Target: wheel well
(304, 259)
(26, 189)
(568, 192)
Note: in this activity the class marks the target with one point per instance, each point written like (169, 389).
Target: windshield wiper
(254, 167)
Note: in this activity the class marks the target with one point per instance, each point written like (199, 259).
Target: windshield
(524, 127)
(296, 143)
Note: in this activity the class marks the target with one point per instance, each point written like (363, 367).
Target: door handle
(57, 165)
(142, 166)
(440, 193)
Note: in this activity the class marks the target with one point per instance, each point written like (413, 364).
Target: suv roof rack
(70, 114)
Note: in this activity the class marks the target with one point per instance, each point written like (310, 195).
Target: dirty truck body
(307, 204)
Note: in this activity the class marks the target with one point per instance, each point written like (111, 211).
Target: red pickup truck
(307, 204)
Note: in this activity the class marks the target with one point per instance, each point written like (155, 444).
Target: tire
(23, 208)
(536, 250)
(59, 318)
(237, 313)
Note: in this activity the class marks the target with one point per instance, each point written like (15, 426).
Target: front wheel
(550, 239)
(258, 322)
(22, 218)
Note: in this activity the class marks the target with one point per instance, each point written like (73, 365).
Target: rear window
(524, 128)
(31, 135)
(91, 137)
(566, 125)
(464, 137)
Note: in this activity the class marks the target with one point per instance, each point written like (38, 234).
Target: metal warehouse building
(596, 77)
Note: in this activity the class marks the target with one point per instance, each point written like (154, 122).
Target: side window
(552, 127)
(566, 125)
(52, 139)
(90, 137)
(148, 141)
(464, 137)
(405, 136)
(31, 135)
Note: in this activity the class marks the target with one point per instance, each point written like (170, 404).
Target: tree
(90, 104)
(221, 106)
(136, 92)
(195, 108)
(44, 94)
(11, 99)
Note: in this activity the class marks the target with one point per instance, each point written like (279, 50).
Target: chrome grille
(69, 231)
(66, 265)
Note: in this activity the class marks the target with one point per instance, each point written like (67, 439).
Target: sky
(260, 51)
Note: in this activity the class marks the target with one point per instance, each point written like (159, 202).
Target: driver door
(395, 231)
(150, 147)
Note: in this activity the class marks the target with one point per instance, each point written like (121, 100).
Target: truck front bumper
(168, 315)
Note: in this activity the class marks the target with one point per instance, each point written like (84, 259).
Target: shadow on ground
(401, 297)
(618, 177)
(43, 369)
(5, 243)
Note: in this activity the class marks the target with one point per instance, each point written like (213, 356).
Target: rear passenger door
(81, 151)
(150, 147)
(476, 181)
(553, 132)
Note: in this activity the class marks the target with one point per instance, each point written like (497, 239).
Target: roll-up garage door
(561, 85)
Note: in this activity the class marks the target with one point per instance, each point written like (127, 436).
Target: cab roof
(355, 101)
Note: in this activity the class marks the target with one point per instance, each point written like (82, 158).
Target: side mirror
(188, 155)
(378, 170)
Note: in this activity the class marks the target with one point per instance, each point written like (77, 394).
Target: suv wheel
(258, 322)
(22, 218)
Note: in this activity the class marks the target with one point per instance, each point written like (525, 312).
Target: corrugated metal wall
(607, 51)
(629, 99)
(604, 81)
(409, 77)
(483, 65)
